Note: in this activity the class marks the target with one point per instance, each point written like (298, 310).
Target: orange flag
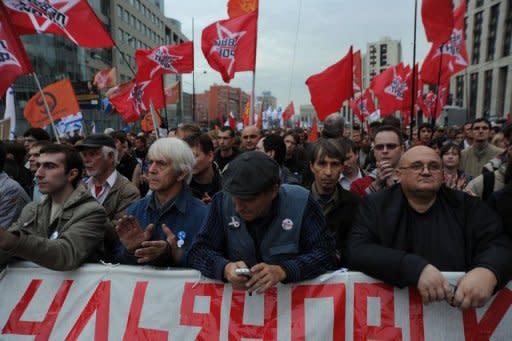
(313, 135)
(105, 78)
(245, 116)
(237, 8)
(147, 122)
(61, 100)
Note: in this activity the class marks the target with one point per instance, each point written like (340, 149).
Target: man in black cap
(277, 233)
(105, 183)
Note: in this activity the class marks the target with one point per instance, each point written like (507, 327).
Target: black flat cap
(97, 141)
(250, 174)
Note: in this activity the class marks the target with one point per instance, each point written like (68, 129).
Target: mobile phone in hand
(243, 272)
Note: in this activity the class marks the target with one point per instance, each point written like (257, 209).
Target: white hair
(175, 151)
(108, 150)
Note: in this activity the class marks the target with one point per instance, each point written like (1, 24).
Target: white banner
(99, 302)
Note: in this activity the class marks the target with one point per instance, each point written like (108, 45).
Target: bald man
(407, 234)
(250, 137)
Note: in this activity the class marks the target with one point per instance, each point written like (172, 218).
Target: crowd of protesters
(398, 205)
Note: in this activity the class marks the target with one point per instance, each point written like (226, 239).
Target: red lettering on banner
(237, 328)
(416, 315)
(387, 329)
(210, 321)
(99, 303)
(133, 331)
(41, 330)
(474, 330)
(301, 292)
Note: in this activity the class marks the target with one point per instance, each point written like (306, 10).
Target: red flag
(172, 93)
(13, 58)
(147, 124)
(164, 59)
(288, 112)
(229, 45)
(313, 135)
(363, 106)
(390, 88)
(437, 16)
(61, 101)
(105, 78)
(237, 8)
(132, 99)
(231, 121)
(331, 87)
(434, 103)
(74, 19)
(445, 60)
(358, 78)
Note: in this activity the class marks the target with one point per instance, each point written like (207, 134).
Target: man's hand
(152, 249)
(130, 233)
(433, 286)
(475, 288)
(238, 281)
(7, 239)
(265, 276)
(384, 172)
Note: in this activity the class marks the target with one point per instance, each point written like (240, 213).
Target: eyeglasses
(418, 167)
(388, 146)
(481, 128)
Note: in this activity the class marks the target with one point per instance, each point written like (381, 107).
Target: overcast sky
(326, 31)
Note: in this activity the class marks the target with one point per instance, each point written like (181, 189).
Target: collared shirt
(345, 182)
(105, 188)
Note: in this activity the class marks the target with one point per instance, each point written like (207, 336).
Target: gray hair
(108, 150)
(334, 125)
(175, 151)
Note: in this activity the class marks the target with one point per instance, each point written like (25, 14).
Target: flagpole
(194, 84)
(46, 106)
(153, 117)
(165, 104)
(437, 85)
(251, 115)
(413, 90)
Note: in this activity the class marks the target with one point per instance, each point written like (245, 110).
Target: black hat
(250, 174)
(97, 141)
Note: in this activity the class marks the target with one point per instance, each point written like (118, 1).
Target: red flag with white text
(437, 17)
(331, 87)
(74, 19)
(444, 60)
(390, 88)
(164, 59)
(363, 106)
(13, 58)
(229, 45)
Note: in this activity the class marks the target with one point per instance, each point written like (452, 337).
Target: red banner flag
(434, 103)
(172, 93)
(288, 112)
(61, 101)
(390, 88)
(164, 59)
(132, 99)
(105, 78)
(13, 58)
(229, 45)
(444, 60)
(313, 135)
(147, 124)
(363, 106)
(73, 19)
(437, 16)
(357, 67)
(331, 87)
(237, 8)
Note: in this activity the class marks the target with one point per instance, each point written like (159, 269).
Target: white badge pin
(54, 235)
(235, 223)
(287, 224)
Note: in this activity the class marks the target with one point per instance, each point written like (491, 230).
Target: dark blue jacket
(186, 214)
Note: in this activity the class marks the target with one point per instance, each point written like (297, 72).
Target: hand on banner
(238, 281)
(433, 286)
(152, 249)
(131, 234)
(475, 288)
(265, 276)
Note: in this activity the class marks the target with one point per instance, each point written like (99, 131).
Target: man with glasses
(388, 148)
(407, 234)
(481, 151)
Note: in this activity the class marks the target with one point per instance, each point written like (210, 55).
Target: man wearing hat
(277, 232)
(105, 183)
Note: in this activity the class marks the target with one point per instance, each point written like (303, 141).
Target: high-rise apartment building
(379, 56)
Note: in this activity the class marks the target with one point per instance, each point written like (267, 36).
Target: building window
(479, 3)
(477, 35)
(473, 93)
(119, 11)
(507, 36)
(459, 91)
(487, 91)
(493, 30)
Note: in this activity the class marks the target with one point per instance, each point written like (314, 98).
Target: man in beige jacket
(66, 228)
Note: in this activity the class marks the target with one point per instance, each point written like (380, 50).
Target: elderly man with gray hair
(334, 125)
(159, 228)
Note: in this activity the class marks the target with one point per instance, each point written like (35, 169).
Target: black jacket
(379, 243)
